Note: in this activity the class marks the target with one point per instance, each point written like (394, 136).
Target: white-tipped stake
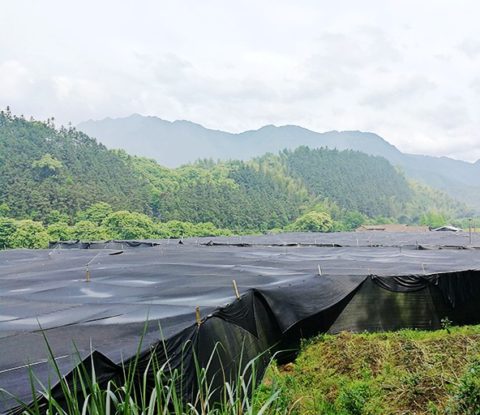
(235, 288)
(87, 274)
(319, 270)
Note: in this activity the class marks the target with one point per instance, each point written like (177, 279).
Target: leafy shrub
(56, 216)
(29, 234)
(129, 225)
(313, 222)
(89, 231)
(60, 232)
(96, 213)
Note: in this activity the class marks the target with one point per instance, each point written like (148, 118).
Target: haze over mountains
(180, 142)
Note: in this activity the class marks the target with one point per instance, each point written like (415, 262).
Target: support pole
(198, 317)
(235, 288)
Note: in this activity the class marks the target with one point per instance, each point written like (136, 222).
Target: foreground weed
(156, 390)
(404, 372)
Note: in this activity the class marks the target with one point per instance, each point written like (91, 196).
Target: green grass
(404, 372)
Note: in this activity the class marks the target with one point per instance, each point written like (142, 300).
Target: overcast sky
(407, 70)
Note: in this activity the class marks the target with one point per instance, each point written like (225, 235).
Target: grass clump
(466, 399)
(150, 388)
(404, 372)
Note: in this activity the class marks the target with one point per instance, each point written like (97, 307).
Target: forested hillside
(354, 180)
(233, 195)
(53, 175)
(179, 142)
(42, 169)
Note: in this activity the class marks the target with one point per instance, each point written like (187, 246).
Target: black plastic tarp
(286, 292)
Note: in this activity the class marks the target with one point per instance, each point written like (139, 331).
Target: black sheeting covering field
(290, 286)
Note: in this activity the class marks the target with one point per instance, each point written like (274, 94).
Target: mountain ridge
(174, 143)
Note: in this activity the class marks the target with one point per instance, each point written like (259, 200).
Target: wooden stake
(198, 317)
(470, 229)
(87, 274)
(235, 288)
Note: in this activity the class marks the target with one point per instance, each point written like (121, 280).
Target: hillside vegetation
(405, 372)
(44, 169)
(52, 175)
(180, 142)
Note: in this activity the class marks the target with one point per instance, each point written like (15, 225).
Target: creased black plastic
(290, 286)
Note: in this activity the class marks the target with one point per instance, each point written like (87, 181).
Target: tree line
(97, 223)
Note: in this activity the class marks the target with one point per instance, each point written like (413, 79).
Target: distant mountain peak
(174, 143)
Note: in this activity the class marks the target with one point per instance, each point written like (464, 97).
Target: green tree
(56, 216)
(47, 166)
(4, 210)
(313, 222)
(7, 229)
(161, 231)
(433, 219)
(96, 213)
(206, 229)
(352, 220)
(179, 229)
(60, 231)
(86, 230)
(129, 225)
(29, 234)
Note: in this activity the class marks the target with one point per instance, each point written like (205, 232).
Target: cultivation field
(251, 294)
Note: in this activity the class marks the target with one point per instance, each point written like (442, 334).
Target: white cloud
(471, 48)
(15, 79)
(388, 67)
(403, 91)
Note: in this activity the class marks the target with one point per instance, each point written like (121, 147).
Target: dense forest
(354, 180)
(42, 169)
(54, 176)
